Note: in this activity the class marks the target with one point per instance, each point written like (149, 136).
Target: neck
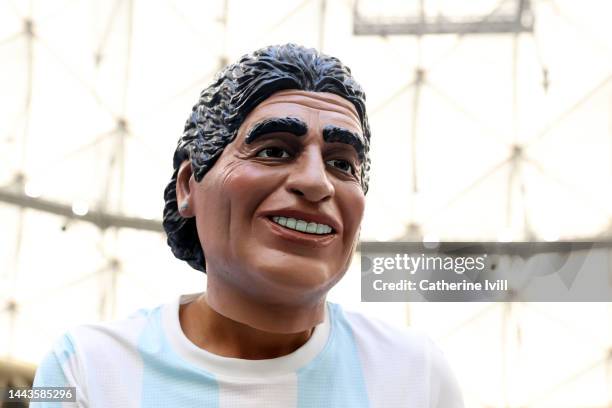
(267, 312)
(247, 329)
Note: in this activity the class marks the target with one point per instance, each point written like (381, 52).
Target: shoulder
(379, 335)
(97, 358)
(92, 346)
(112, 336)
(402, 358)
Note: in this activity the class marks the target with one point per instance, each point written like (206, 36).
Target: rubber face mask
(278, 214)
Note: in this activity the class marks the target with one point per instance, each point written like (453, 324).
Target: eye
(273, 152)
(342, 165)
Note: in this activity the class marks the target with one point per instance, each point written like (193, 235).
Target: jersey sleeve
(61, 368)
(444, 390)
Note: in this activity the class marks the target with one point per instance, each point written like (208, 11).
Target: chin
(302, 277)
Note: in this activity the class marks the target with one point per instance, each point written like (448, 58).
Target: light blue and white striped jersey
(147, 361)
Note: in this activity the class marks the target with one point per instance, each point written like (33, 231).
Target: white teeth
(291, 223)
(302, 226)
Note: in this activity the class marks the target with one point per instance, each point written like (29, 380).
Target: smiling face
(278, 214)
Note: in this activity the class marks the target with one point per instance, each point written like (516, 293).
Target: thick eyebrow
(291, 125)
(336, 134)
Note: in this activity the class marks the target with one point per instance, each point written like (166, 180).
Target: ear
(183, 190)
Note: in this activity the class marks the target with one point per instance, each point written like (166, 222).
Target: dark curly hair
(223, 106)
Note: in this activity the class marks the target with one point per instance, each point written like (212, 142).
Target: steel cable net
(478, 135)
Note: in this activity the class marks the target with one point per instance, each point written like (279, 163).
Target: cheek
(211, 207)
(244, 188)
(246, 176)
(352, 204)
(248, 184)
(228, 196)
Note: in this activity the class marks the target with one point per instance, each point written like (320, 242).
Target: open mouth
(303, 226)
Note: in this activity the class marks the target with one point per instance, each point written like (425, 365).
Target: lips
(310, 229)
(308, 217)
(302, 225)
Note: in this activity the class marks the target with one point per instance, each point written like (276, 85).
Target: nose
(309, 178)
